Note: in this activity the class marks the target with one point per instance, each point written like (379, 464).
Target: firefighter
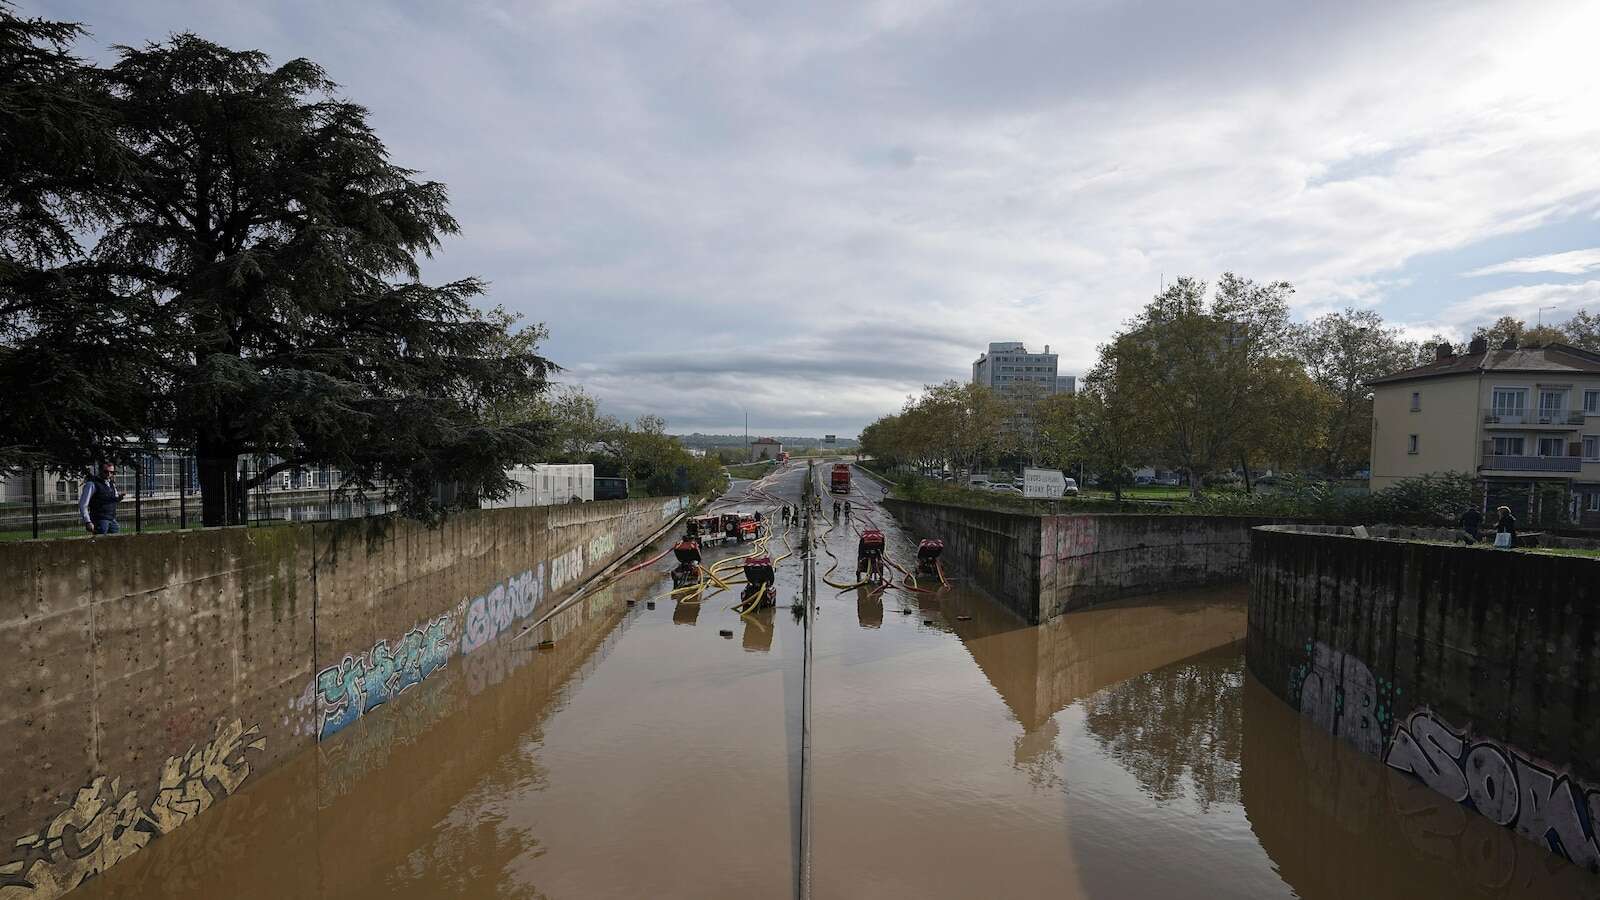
(836, 510)
(928, 552)
(847, 509)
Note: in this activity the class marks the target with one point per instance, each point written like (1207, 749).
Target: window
(1552, 446)
(1508, 446)
(1552, 404)
(1591, 446)
(1416, 401)
(1591, 502)
(1591, 403)
(1411, 444)
(1510, 401)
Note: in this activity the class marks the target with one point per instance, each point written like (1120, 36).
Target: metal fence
(162, 492)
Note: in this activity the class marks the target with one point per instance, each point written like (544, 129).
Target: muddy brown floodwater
(1121, 752)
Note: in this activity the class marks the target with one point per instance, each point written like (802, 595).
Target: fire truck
(840, 480)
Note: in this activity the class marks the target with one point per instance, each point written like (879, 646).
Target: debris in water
(963, 618)
(927, 621)
(547, 645)
(652, 605)
(632, 602)
(905, 612)
(726, 632)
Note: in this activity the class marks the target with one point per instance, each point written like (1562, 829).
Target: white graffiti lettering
(1502, 785)
(1341, 696)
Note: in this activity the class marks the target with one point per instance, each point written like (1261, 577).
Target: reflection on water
(1119, 752)
(1176, 729)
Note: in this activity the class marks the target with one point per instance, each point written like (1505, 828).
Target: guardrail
(1522, 417)
(1532, 463)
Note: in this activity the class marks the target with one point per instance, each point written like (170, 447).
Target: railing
(1524, 417)
(1533, 463)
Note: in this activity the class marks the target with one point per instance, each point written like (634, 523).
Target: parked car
(1071, 490)
(1166, 481)
(1006, 489)
(1141, 480)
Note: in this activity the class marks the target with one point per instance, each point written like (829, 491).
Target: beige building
(1518, 418)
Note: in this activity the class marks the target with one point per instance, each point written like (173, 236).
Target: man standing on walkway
(1471, 521)
(97, 504)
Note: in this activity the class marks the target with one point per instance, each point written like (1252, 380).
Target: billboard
(829, 438)
(1043, 484)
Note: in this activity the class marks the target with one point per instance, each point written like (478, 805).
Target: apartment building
(1008, 366)
(1521, 418)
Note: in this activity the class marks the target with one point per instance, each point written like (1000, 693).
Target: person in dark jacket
(97, 503)
(1471, 524)
(1507, 524)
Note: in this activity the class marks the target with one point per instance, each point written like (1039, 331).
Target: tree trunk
(1244, 466)
(216, 486)
(222, 501)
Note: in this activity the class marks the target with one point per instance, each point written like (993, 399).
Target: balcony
(1522, 420)
(1531, 464)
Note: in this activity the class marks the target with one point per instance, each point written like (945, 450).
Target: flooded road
(1119, 752)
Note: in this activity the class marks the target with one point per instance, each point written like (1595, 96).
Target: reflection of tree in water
(1178, 730)
(1037, 756)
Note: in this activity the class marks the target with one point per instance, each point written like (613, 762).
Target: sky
(805, 212)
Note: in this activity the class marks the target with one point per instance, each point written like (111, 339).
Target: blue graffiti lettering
(360, 683)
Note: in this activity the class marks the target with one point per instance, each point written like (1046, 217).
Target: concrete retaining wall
(148, 676)
(1043, 566)
(1470, 669)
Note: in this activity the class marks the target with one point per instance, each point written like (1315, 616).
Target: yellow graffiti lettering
(105, 825)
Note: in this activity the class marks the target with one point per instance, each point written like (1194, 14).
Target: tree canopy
(253, 288)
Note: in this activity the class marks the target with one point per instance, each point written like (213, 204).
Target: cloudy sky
(809, 210)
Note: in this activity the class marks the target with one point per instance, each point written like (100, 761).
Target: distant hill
(707, 441)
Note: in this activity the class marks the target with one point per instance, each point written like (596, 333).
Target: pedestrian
(97, 502)
(835, 509)
(1471, 523)
(847, 509)
(1507, 525)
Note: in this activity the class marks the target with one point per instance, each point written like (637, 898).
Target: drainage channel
(881, 744)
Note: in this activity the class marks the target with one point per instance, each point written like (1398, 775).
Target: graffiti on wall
(1501, 784)
(491, 613)
(361, 682)
(1076, 536)
(1340, 694)
(105, 824)
(566, 568)
(602, 546)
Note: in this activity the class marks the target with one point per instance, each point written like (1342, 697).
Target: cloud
(762, 204)
(1526, 301)
(1572, 262)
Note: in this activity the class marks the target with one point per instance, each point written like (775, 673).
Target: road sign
(829, 438)
(1044, 484)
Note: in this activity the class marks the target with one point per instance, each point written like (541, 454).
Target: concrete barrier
(148, 676)
(1043, 566)
(1471, 670)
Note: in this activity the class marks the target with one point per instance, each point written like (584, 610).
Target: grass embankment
(750, 470)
